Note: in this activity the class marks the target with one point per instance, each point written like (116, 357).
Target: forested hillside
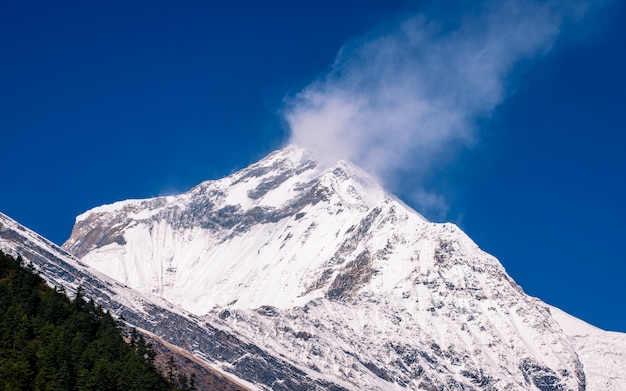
(49, 342)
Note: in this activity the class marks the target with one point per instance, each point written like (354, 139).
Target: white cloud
(403, 99)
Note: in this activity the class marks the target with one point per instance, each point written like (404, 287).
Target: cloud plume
(403, 98)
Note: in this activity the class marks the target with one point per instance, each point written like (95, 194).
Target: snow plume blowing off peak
(400, 100)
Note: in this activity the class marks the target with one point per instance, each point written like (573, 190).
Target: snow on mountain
(229, 358)
(258, 237)
(321, 266)
(603, 353)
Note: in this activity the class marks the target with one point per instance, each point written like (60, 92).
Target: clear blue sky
(104, 101)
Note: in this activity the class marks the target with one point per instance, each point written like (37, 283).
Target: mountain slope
(228, 358)
(603, 353)
(321, 266)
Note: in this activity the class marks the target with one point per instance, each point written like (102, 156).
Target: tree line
(49, 342)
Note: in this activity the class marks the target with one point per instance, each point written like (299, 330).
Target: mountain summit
(280, 232)
(322, 267)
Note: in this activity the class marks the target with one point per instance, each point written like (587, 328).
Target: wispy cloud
(409, 95)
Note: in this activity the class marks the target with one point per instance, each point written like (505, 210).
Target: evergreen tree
(51, 343)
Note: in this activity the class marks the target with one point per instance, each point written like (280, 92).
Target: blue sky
(103, 102)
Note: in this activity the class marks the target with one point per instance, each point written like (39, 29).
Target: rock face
(290, 275)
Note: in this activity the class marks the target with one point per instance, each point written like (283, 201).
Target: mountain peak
(266, 213)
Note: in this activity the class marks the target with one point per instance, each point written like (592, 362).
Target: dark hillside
(49, 342)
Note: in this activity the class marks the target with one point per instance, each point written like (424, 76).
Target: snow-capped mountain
(290, 275)
(323, 267)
